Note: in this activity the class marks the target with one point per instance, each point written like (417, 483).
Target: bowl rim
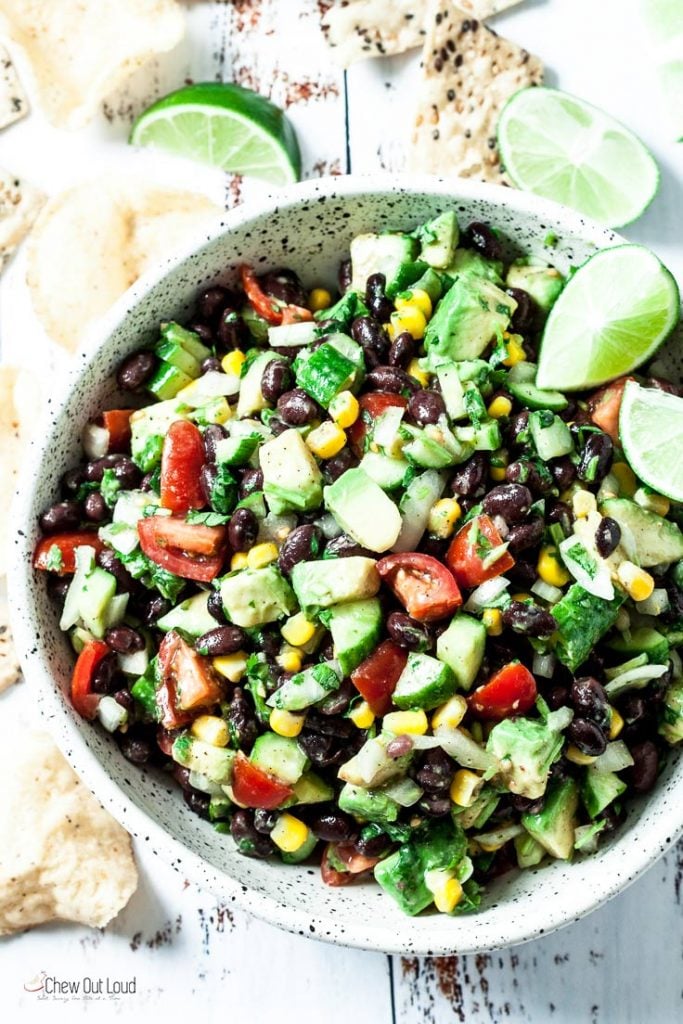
(60, 722)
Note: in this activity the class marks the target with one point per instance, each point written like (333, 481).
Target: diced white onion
(486, 593)
(544, 665)
(404, 791)
(598, 581)
(546, 591)
(210, 385)
(635, 679)
(275, 528)
(559, 720)
(385, 430)
(616, 757)
(655, 604)
(501, 526)
(111, 714)
(95, 441)
(464, 749)
(329, 526)
(498, 837)
(292, 335)
(135, 663)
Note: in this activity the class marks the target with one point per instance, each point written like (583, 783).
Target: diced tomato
(169, 715)
(376, 677)
(425, 587)
(469, 549)
(181, 461)
(266, 307)
(354, 862)
(372, 405)
(190, 679)
(295, 314)
(330, 875)
(117, 423)
(82, 697)
(604, 407)
(194, 552)
(511, 691)
(67, 544)
(255, 788)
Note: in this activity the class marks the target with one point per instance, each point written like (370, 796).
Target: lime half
(562, 148)
(613, 314)
(226, 126)
(651, 432)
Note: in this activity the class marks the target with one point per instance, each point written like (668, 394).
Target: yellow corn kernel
(443, 515)
(492, 618)
(231, 666)
(500, 407)
(326, 440)
(298, 630)
(290, 659)
(289, 834)
(583, 503)
(232, 362)
(656, 503)
(616, 723)
(626, 479)
(577, 756)
(261, 555)
(445, 888)
(400, 722)
(319, 298)
(522, 595)
(239, 561)
(550, 568)
(362, 715)
(515, 351)
(450, 714)
(637, 583)
(415, 370)
(285, 723)
(410, 319)
(415, 297)
(211, 729)
(498, 464)
(465, 787)
(344, 409)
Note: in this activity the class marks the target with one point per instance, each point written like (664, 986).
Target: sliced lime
(663, 22)
(226, 126)
(651, 432)
(613, 314)
(562, 148)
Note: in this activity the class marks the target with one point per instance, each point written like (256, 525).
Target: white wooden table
(187, 954)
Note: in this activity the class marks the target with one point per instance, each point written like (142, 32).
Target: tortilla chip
(10, 671)
(80, 52)
(93, 241)
(486, 8)
(13, 101)
(62, 857)
(469, 74)
(19, 206)
(13, 436)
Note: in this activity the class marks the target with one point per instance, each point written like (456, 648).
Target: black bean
(303, 544)
(483, 238)
(321, 750)
(436, 772)
(426, 407)
(197, 802)
(528, 619)
(526, 535)
(95, 507)
(277, 427)
(64, 516)
(525, 805)
(511, 501)
(368, 332)
(136, 370)
(124, 639)
(94, 470)
(241, 719)
(72, 479)
(338, 464)
(371, 845)
(587, 736)
(563, 471)
(251, 480)
(125, 699)
(210, 365)
(232, 331)
(590, 700)
(277, 378)
(596, 458)
(215, 607)
(408, 632)
(339, 701)
(137, 750)
(434, 546)
(127, 473)
(212, 301)
(57, 587)
(560, 512)
(375, 297)
(607, 536)
(105, 676)
(242, 529)
(221, 640)
(203, 331)
(523, 316)
(402, 350)
(391, 379)
(106, 559)
(265, 821)
(643, 773)
(296, 408)
(468, 478)
(557, 697)
(208, 475)
(344, 547)
(344, 276)
(612, 817)
(154, 608)
(535, 476)
(518, 428)
(211, 436)
(341, 728)
(523, 573)
(435, 806)
(283, 284)
(334, 826)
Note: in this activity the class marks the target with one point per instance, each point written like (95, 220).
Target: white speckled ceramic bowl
(308, 228)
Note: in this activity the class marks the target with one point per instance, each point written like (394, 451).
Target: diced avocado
(525, 749)
(420, 495)
(553, 827)
(363, 510)
(479, 812)
(581, 620)
(531, 397)
(292, 480)
(319, 584)
(550, 434)
(355, 629)
(656, 539)
(311, 789)
(471, 313)
(372, 766)
(190, 617)
(431, 282)
(305, 688)
(671, 724)
(424, 683)
(643, 640)
(541, 282)
(461, 647)
(280, 756)
(529, 851)
(167, 381)
(439, 237)
(324, 373)
(254, 596)
(304, 851)
(148, 427)
(600, 789)
(214, 762)
(387, 472)
(380, 254)
(470, 263)
(402, 874)
(452, 390)
(372, 804)
(251, 397)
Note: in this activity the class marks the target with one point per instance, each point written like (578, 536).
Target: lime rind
(651, 434)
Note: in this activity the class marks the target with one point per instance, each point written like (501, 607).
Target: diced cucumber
(279, 756)
(237, 451)
(406, 277)
(305, 688)
(292, 335)
(371, 804)
(461, 647)
(172, 333)
(414, 507)
(452, 390)
(214, 762)
(424, 683)
(134, 664)
(324, 373)
(528, 850)
(190, 617)
(380, 254)
(387, 472)
(581, 620)
(355, 629)
(531, 397)
(487, 437)
(167, 380)
(550, 434)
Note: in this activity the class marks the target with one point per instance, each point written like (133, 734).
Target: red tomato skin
(426, 588)
(67, 544)
(604, 406)
(376, 677)
(357, 864)
(511, 691)
(194, 683)
(193, 538)
(371, 406)
(181, 461)
(330, 875)
(202, 568)
(255, 788)
(83, 699)
(463, 560)
(117, 422)
(262, 303)
(295, 314)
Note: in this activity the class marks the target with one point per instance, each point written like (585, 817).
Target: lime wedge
(562, 148)
(651, 432)
(613, 314)
(226, 126)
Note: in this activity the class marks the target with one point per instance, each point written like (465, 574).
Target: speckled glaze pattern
(309, 228)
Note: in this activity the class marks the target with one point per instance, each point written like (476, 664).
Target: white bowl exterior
(308, 228)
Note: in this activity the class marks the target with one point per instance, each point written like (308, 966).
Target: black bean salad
(371, 596)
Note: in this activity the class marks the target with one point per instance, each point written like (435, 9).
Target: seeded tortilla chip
(9, 663)
(13, 101)
(79, 52)
(469, 72)
(19, 206)
(21, 403)
(62, 857)
(93, 241)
